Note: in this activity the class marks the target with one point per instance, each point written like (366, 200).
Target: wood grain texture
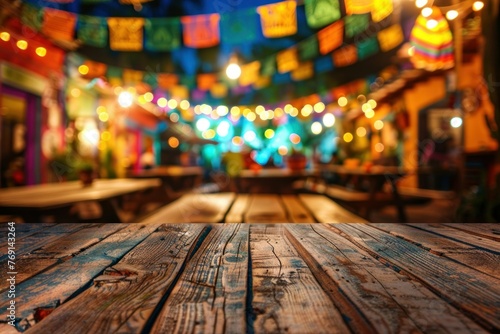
(265, 208)
(454, 234)
(297, 212)
(43, 237)
(123, 298)
(237, 212)
(491, 231)
(363, 288)
(287, 298)
(327, 211)
(210, 296)
(470, 291)
(194, 208)
(54, 286)
(480, 259)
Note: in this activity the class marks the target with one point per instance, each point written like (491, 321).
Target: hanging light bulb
(451, 15)
(125, 99)
(233, 70)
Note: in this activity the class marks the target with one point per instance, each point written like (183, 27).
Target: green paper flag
(268, 66)
(162, 34)
(356, 24)
(308, 49)
(92, 30)
(320, 13)
(32, 16)
(367, 48)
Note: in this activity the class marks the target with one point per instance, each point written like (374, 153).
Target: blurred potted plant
(85, 171)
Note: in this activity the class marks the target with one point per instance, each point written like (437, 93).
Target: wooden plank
(211, 294)
(27, 268)
(56, 285)
(457, 235)
(468, 290)
(265, 208)
(194, 208)
(297, 213)
(123, 298)
(389, 301)
(327, 211)
(287, 298)
(76, 242)
(490, 231)
(238, 210)
(479, 259)
(21, 231)
(43, 237)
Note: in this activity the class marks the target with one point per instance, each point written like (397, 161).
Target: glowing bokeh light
(202, 124)
(378, 125)
(125, 99)
(456, 122)
(294, 138)
(342, 101)
(379, 147)
(348, 137)
(283, 150)
(269, 133)
(328, 120)
(316, 128)
(249, 136)
(233, 71)
(162, 102)
(173, 142)
(361, 131)
(41, 51)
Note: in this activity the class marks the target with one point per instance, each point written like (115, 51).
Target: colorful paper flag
(367, 48)
(345, 56)
(358, 6)
(32, 16)
(249, 73)
(303, 71)
(287, 60)
(331, 37)
(218, 90)
(162, 34)
(381, 9)
(390, 38)
(319, 13)
(262, 81)
(201, 31)
(308, 48)
(125, 33)
(132, 77)
(356, 24)
(278, 19)
(58, 24)
(92, 30)
(96, 69)
(268, 66)
(167, 80)
(239, 26)
(206, 80)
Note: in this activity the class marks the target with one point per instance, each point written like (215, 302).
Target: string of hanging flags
(201, 31)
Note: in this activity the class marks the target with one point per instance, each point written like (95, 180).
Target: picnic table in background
(70, 201)
(375, 176)
(157, 277)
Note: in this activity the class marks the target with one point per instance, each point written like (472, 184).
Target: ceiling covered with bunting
(287, 50)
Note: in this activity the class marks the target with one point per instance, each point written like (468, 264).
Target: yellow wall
(420, 96)
(476, 133)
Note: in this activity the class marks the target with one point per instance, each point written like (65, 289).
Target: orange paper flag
(206, 80)
(345, 56)
(331, 37)
(201, 31)
(58, 24)
(132, 76)
(167, 81)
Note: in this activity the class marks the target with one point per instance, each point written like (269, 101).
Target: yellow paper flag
(125, 34)
(390, 38)
(278, 19)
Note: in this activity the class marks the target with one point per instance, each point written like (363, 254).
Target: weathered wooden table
(333, 277)
(70, 200)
